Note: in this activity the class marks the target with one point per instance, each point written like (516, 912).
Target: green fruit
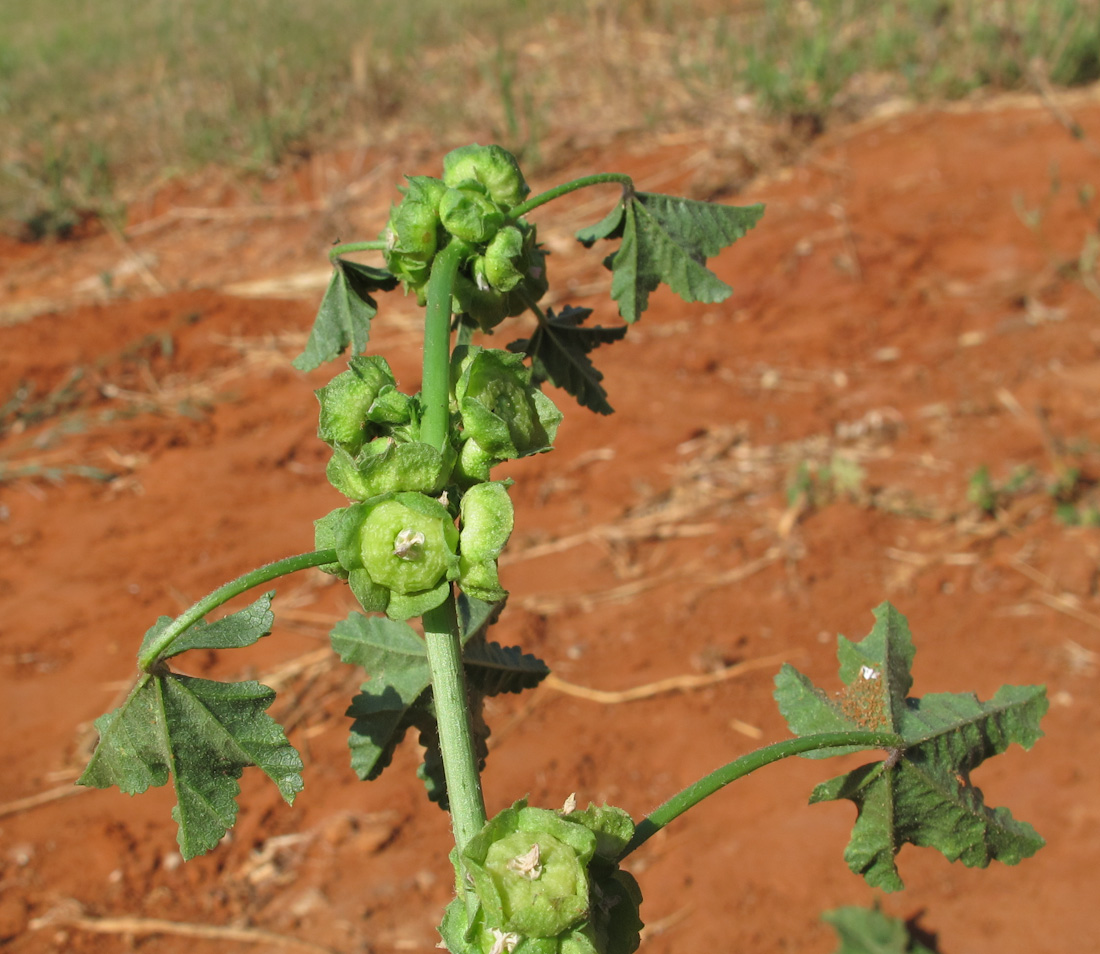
(399, 551)
(408, 543)
(470, 215)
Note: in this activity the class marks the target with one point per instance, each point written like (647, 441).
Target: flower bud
(346, 401)
(412, 234)
(385, 466)
(500, 408)
(504, 258)
(492, 166)
(470, 215)
(487, 521)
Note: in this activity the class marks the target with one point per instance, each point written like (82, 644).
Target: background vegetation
(99, 97)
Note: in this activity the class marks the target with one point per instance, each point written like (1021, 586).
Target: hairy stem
(376, 245)
(738, 768)
(435, 389)
(600, 179)
(444, 645)
(223, 594)
(456, 741)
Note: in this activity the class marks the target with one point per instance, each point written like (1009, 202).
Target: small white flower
(866, 672)
(407, 543)
(527, 865)
(504, 941)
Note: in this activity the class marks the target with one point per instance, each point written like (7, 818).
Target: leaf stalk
(264, 574)
(543, 197)
(739, 768)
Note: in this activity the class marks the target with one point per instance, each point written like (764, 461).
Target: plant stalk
(543, 197)
(223, 594)
(435, 388)
(456, 742)
(444, 645)
(738, 768)
(376, 245)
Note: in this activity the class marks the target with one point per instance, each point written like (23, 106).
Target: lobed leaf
(922, 793)
(559, 354)
(396, 658)
(668, 239)
(344, 318)
(234, 631)
(398, 697)
(201, 734)
(492, 669)
(869, 931)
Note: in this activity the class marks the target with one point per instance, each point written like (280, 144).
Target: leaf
(200, 733)
(922, 793)
(668, 239)
(345, 314)
(235, 631)
(492, 669)
(559, 354)
(398, 695)
(396, 658)
(869, 931)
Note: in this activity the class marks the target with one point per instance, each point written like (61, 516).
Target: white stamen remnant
(527, 865)
(504, 942)
(407, 543)
(866, 672)
(570, 805)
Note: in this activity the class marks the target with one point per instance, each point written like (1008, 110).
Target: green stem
(148, 658)
(444, 644)
(738, 768)
(435, 389)
(456, 742)
(377, 245)
(604, 177)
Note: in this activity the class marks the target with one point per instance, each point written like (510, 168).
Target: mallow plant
(420, 537)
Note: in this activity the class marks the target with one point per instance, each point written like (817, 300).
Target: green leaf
(345, 314)
(200, 733)
(492, 669)
(869, 931)
(398, 695)
(235, 631)
(395, 656)
(668, 239)
(559, 354)
(922, 793)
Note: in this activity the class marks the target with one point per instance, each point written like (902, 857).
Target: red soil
(891, 307)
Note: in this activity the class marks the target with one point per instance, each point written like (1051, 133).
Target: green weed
(121, 93)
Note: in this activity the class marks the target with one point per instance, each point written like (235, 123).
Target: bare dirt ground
(892, 311)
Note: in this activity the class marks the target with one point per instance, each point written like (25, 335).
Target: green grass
(100, 95)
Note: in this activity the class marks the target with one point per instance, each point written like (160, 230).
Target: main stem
(739, 768)
(444, 645)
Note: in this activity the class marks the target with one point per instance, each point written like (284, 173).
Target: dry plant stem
(738, 768)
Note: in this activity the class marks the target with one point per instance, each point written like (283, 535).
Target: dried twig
(42, 798)
(60, 917)
(687, 683)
